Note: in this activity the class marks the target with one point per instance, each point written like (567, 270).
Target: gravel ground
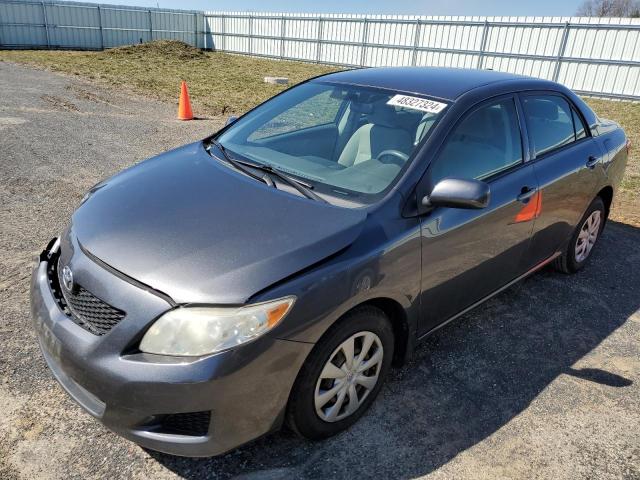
(543, 381)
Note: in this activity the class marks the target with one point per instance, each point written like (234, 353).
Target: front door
(468, 254)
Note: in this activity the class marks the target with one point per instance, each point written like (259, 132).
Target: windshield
(343, 140)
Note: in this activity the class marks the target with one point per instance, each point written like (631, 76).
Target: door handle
(592, 161)
(526, 193)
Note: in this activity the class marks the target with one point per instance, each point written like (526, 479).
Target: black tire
(302, 417)
(567, 262)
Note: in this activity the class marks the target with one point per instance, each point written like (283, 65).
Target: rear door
(567, 161)
(468, 254)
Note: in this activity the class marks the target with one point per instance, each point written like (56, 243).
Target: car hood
(200, 232)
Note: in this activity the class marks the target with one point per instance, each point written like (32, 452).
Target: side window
(484, 143)
(550, 122)
(318, 110)
(578, 125)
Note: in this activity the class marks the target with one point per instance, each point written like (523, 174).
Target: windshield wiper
(300, 186)
(238, 165)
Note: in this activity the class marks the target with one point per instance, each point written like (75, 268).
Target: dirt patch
(84, 94)
(167, 48)
(60, 103)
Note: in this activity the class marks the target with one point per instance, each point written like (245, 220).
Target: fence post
(416, 42)
(483, 44)
(100, 26)
(223, 27)
(563, 46)
(205, 27)
(195, 30)
(283, 31)
(46, 24)
(365, 36)
(319, 44)
(250, 34)
(150, 27)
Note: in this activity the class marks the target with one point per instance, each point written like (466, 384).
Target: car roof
(444, 83)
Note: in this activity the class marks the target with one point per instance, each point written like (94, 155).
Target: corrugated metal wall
(90, 26)
(595, 56)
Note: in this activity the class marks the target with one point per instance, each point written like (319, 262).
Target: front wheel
(342, 375)
(584, 239)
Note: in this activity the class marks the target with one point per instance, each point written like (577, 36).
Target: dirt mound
(162, 48)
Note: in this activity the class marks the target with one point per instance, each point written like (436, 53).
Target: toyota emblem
(67, 278)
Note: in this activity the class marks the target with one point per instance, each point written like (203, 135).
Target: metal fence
(599, 57)
(594, 56)
(90, 26)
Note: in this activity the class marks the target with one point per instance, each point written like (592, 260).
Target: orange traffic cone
(184, 106)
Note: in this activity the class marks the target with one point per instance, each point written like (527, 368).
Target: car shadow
(467, 380)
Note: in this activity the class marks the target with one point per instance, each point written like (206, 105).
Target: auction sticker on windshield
(417, 103)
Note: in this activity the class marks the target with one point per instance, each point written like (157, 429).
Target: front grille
(84, 308)
(195, 424)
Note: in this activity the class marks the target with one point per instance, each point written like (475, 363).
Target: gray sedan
(274, 272)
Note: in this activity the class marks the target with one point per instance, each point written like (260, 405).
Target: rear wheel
(342, 375)
(584, 239)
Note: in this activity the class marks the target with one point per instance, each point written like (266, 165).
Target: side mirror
(458, 193)
(230, 120)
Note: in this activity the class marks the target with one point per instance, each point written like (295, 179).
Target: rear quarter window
(578, 125)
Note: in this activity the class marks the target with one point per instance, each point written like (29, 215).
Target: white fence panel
(597, 56)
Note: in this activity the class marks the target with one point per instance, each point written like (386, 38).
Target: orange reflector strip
(275, 314)
(531, 210)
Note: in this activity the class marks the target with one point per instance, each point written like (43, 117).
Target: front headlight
(194, 331)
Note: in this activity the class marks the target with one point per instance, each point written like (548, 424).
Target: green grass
(626, 206)
(219, 83)
(626, 114)
(224, 84)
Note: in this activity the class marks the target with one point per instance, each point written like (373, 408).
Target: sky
(401, 7)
